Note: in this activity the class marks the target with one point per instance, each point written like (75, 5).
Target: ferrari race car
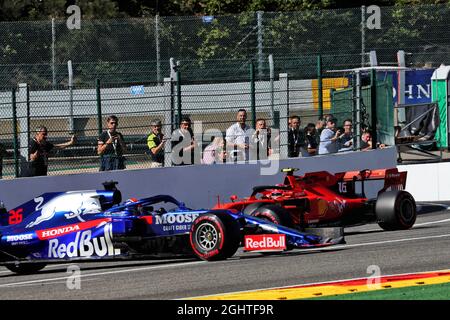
(85, 225)
(319, 199)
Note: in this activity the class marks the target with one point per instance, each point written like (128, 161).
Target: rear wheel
(25, 268)
(252, 207)
(395, 210)
(274, 214)
(215, 236)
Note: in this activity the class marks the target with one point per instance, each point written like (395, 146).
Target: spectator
(183, 144)
(327, 117)
(111, 146)
(346, 139)
(237, 137)
(320, 125)
(329, 138)
(156, 143)
(261, 140)
(215, 152)
(311, 139)
(366, 142)
(296, 138)
(3, 153)
(39, 150)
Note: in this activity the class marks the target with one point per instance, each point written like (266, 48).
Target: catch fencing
(212, 107)
(139, 49)
(166, 67)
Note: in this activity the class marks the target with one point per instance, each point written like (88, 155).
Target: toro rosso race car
(323, 199)
(86, 225)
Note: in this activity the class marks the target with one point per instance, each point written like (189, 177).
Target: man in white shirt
(237, 137)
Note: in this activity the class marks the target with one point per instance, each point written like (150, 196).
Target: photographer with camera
(111, 147)
(329, 137)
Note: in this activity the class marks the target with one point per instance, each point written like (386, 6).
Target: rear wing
(393, 179)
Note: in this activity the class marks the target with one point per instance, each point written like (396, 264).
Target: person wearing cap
(111, 147)
(183, 144)
(155, 143)
(329, 137)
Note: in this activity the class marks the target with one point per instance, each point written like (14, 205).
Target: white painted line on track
(415, 225)
(364, 244)
(203, 262)
(101, 273)
(51, 266)
(431, 222)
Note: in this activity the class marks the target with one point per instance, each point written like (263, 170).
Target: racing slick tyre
(274, 214)
(252, 207)
(215, 236)
(395, 210)
(25, 268)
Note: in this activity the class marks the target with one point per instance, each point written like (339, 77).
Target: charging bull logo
(75, 205)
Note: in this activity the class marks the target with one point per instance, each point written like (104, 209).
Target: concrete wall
(198, 185)
(428, 182)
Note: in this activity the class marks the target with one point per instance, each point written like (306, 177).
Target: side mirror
(233, 198)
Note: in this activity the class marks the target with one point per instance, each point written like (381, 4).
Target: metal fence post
(358, 110)
(363, 35)
(15, 133)
(99, 106)
(71, 119)
(401, 62)
(168, 126)
(260, 43)
(23, 119)
(284, 114)
(355, 133)
(53, 53)
(178, 79)
(252, 93)
(373, 105)
(158, 50)
(28, 116)
(272, 99)
(319, 85)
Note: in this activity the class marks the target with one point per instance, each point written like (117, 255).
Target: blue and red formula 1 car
(85, 225)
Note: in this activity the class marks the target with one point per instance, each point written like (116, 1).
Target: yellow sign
(327, 84)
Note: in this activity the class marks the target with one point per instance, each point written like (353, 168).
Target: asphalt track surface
(426, 247)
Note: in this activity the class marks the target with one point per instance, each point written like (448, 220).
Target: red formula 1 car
(321, 199)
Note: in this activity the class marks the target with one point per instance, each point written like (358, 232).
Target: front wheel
(215, 236)
(25, 268)
(396, 210)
